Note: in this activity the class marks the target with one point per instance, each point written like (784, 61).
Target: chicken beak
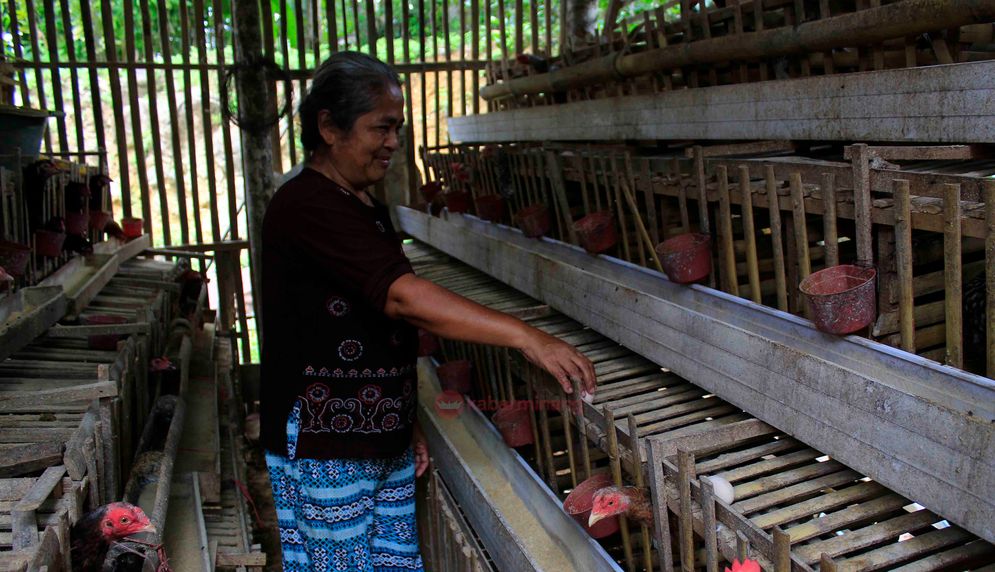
(149, 528)
(594, 518)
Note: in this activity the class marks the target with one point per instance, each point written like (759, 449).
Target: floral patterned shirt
(328, 348)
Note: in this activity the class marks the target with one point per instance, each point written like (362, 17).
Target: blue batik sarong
(344, 514)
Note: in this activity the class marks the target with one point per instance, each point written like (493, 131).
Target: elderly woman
(342, 307)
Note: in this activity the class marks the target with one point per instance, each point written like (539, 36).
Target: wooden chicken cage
(924, 225)
(794, 509)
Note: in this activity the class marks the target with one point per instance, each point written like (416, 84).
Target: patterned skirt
(345, 514)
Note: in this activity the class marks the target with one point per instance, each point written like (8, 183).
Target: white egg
(588, 397)
(722, 488)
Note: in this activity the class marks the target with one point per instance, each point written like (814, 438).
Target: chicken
(76, 195)
(191, 283)
(631, 502)
(114, 229)
(93, 534)
(78, 244)
(36, 175)
(144, 472)
(539, 64)
(746, 565)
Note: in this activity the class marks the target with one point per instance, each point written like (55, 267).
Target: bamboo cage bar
(153, 107)
(136, 116)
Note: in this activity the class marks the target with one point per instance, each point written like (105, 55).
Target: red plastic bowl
(490, 207)
(687, 257)
(579, 502)
(842, 298)
(458, 201)
(455, 376)
(533, 220)
(514, 423)
(132, 227)
(596, 232)
(49, 243)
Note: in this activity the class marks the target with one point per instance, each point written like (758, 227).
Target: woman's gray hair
(347, 85)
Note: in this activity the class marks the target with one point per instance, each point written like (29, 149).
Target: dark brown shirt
(328, 261)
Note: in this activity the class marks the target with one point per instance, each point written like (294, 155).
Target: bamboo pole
(903, 240)
(534, 20)
(624, 227)
(776, 238)
(371, 28)
(269, 46)
(435, 58)
(345, 24)
(519, 27)
(205, 98)
(230, 163)
(191, 136)
(643, 233)
(462, 56)
(749, 233)
(447, 46)
(782, 550)
(285, 52)
(332, 27)
(89, 41)
(355, 23)
(67, 32)
(652, 221)
(153, 96)
(952, 272)
(36, 54)
(906, 18)
(585, 453)
(15, 41)
(137, 126)
(53, 56)
(174, 132)
(475, 50)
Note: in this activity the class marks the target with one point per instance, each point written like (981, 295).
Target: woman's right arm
(449, 315)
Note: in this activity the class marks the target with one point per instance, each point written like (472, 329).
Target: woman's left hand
(420, 446)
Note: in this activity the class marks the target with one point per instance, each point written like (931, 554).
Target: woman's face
(362, 155)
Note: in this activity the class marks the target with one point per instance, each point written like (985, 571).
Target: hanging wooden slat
(447, 46)
(519, 27)
(534, 20)
(67, 31)
(749, 233)
(205, 99)
(504, 31)
(225, 126)
(89, 41)
(462, 56)
(153, 96)
(269, 51)
(285, 52)
(435, 58)
(174, 132)
(332, 27)
(36, 55)
(371, 28)
(345, 24)
(137, 124)
(191, 136)
(424, 77)
(388, 7)
(475, 49)
(15, 41)
(53, 56)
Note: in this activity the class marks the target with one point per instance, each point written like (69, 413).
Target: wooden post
(749, 231)
(616, 468)
(727, 250)
(830, 236)
(661, 513)
(860, 160)
(685, 473)
(903, 246)
(989, 199)
(775, 234)
(253, 97)
(637, 469)
(952, 274)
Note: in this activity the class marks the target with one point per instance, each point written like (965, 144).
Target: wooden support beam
(850, 107)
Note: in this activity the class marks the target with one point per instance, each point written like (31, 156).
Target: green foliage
(200, 24)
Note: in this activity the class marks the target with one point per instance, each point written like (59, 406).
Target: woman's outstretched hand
(561, 360)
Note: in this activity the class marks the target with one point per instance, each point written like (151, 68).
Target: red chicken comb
(746, 565)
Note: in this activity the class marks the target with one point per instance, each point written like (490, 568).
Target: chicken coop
(769, 224)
